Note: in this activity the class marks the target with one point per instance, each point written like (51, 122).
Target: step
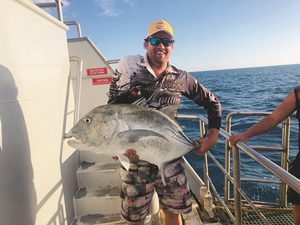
(105, 201)
(196, 217)
(91, 156)
(94, 175)
(193, 217)
(97, 219)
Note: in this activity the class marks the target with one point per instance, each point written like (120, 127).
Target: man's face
(158, 54)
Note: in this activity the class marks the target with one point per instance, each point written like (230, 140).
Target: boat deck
(275, 216)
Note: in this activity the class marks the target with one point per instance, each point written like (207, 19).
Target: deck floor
(276, 216)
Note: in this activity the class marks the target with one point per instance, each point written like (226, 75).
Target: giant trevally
(114, 128)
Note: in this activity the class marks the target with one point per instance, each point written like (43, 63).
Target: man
(285, 109)
(152, 82)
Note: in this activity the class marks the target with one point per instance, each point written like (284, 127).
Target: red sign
(96, 71)
(100, 81)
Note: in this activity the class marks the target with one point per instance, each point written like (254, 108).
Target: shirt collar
(144, 62)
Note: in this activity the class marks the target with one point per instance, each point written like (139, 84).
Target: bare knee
(297, 214)
(172, 218)
(170, 214)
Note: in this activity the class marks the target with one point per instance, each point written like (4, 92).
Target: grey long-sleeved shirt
(135, 83)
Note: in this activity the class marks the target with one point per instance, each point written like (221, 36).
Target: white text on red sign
(101, 81)
(96, 71)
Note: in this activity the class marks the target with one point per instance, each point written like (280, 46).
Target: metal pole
(59, 10)
(78, 87)
(72, 22)
(113, 61)
(285, 140)
(283, 175)
(205, 161)
(46, 4)
(227, 161)
(236, 187)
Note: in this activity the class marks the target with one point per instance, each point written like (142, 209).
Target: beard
(159, 57)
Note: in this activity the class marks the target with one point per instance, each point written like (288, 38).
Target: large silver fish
(112, 129)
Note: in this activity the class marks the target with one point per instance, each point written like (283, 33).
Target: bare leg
(172, 218)
(297, 214)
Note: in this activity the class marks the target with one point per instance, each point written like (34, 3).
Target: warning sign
(96, 71)
(100, 81)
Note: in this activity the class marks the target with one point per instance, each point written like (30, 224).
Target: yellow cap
(160, 25)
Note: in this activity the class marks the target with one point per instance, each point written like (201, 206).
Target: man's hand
(130, 154)
(207, 143)
(204, 145)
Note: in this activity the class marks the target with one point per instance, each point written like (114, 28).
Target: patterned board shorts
(293, 196)
(139, 184)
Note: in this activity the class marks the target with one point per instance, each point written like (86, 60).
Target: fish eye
(87, 120)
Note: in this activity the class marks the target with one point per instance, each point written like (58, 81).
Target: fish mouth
(75, 140)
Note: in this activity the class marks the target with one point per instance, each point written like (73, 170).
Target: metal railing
(279, 172)
(78, 86)
(77, 25)
(57, 4)
(284, 149)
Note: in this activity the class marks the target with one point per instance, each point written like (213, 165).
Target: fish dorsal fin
(141, 102)
(131, 136)
(170, 110)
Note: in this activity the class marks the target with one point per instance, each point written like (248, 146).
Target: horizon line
(247, 67)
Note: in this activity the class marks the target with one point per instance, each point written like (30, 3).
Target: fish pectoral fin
(132, 136)
(124, 161)
(162, 173)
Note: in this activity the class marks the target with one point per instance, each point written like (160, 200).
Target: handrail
(57, 4)
(282, 174)
(78, 87)
(284, 150)
(237, 221)
(72, 22)
(279, 172)
(113, 61)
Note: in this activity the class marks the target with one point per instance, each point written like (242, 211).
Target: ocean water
(245, 90)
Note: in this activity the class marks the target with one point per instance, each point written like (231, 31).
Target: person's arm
(203, 97)
(286, 108)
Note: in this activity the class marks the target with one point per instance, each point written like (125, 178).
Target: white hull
(35, 168)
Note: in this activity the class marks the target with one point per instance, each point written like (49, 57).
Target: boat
(48, 82)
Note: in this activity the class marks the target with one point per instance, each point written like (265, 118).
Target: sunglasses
(155, 41)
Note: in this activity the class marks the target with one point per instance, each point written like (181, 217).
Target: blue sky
(209, 34)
